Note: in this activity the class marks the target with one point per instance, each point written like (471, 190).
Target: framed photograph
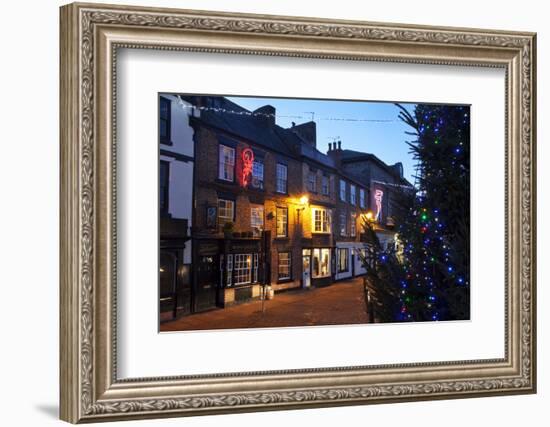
(268, 212)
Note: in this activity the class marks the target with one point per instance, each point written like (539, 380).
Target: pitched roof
(236, 120)
(351, 156)
(239, 121)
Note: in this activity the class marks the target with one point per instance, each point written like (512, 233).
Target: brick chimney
(398, 168)
(335, 152)
(308, 132)
(265, 115)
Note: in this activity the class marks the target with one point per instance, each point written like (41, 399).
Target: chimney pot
(339, 145)
(265, 115)
(330, 146)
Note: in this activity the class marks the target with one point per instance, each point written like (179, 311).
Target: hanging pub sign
(211, 216)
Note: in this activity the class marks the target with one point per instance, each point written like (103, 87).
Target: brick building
(384, 183)
(269, 208)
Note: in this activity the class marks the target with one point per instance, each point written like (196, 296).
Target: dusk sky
(348, 121)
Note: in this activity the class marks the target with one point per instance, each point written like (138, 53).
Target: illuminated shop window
(242, 269)
(343, 260)
(321, 262)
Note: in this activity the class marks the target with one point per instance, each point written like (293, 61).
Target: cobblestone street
(341, 303)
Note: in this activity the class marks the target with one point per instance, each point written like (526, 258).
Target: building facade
(385, 183)
(176, 166)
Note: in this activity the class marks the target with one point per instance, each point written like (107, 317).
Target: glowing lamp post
(369, 216)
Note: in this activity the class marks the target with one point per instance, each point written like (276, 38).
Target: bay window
(321, 220)
(242, 269)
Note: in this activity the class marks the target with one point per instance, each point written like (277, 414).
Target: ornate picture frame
(90, 37)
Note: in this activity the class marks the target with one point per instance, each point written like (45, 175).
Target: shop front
(174, 269)
(349, 260)
(242, 272)
(317, 262)
(228, 271)
(207, 274)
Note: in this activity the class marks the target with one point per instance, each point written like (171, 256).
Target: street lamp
(369, 216)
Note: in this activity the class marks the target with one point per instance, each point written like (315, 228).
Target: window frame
(278, 179)
(343, 190)
(362, 198)
(167, 139)
(341, 251)
(320, 251)
(222, 146)
(258, 160)
(229, 278)
(312, 183)
(284, 278)
(164, 209)
(219, 210)
(255, 267)
(325, 218)
(353, 194)
(262, 216)
(236, 269)
(325, 179)
(343, 224)
(277, 216)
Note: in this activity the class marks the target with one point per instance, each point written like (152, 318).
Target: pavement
(341, 303)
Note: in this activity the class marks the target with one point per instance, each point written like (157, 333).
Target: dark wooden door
(208, 274)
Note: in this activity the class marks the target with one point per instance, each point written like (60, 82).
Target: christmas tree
(435, 228)
(383, 277)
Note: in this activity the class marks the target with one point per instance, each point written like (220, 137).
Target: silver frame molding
(90, 37)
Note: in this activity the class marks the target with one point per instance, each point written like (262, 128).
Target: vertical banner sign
(378, 197)
(248, 161)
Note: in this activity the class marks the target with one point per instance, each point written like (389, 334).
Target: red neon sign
(248, 160)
